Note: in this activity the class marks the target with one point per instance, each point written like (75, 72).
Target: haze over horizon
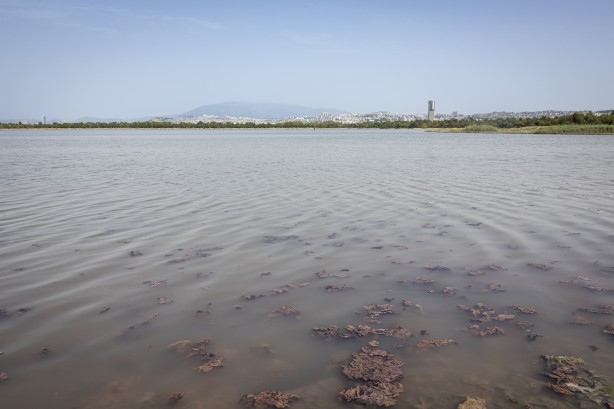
(67, 59)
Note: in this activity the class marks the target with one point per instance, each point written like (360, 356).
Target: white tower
(431, 112)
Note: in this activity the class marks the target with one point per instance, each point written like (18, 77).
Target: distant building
(431, 112)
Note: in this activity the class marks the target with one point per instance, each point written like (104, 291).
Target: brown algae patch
(286, 310)
(269, 399)
(336, 288)
(487, 332)
(189, 349)
(602, 309)
(580, 320)
(379, 373)
(209, 366)
(22, 311)
(523, 310)
(418, 281)
(430, 343)
(568, 376)
(438, 268)
(539, 266)
(484, 313)
(494, 288)
(473, 403)
(374, 311)
(287, 287)
(174, 398)
(358, 331)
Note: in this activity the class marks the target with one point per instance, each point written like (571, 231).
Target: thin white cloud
(209, 25)
(96, 17)
(41, 13)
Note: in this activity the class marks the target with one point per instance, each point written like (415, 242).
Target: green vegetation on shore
(588, 129)
(578, 123)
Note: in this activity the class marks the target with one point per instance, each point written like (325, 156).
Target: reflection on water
(123, 242)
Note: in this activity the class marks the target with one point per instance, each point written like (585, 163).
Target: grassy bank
(487, 129)
(576, 129)
(571, 129)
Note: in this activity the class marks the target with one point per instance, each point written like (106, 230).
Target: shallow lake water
(115, 244)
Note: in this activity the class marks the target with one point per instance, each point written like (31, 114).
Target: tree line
(578, 118)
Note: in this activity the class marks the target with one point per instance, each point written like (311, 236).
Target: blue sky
(132, 58)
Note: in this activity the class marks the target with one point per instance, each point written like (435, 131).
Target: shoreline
(571, 129)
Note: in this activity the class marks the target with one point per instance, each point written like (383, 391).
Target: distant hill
(14, 118)
(95, 120)
(258, 110)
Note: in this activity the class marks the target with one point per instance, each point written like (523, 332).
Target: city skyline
(65, 59)
(244, 112)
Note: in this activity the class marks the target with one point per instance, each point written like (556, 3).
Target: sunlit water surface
(206, 214)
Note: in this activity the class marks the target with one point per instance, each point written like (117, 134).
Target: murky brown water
(207, 213)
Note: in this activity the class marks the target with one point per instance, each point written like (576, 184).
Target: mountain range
(268, 111)
(258, 110)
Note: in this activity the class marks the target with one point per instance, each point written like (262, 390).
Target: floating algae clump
(286, 310)
(357, 331)
(375, 310)
(602, 309)
(189, 349)
(473, 403)
(434, 343)
(175, 397)
(568, 376)
(380, 373)
(269, 399)
(209, 366)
